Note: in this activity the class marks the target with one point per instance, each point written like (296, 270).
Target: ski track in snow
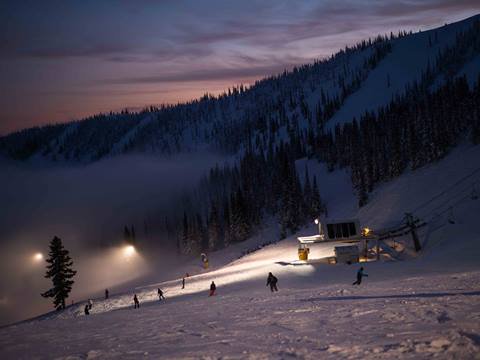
(118, 147)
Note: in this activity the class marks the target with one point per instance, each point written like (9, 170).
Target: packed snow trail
(413, 309)
(414, 317)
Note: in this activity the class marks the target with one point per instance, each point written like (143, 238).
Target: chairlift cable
(449, 200)
(446, 190)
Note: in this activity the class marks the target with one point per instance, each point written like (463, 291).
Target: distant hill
(311, 97)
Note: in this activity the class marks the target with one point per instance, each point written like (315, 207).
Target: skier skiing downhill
(213, 287)
(160, 294)
(360, 275)
(136, 302)
(272, 281)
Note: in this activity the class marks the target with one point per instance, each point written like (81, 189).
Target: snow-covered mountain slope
(330, 91)
(425, 305)
(409, 57)
(416, 316)
(413, 305)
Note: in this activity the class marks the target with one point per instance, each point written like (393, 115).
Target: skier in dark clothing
(360, 275)
(106, 293)
(213, 287)
(183, 283)
(160, 294)
(87, 311)
(272, 281)
(136, 302)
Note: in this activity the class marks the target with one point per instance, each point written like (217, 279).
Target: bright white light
(316, 221)
(38, 257)
(128, 251)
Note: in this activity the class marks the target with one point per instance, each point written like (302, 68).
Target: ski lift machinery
(339, 231)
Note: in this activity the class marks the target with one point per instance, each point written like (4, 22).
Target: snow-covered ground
(316, 314)
(424, 305)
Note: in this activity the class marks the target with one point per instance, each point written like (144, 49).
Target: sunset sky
(63, 60)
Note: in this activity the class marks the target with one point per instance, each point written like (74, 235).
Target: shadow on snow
(396, 296)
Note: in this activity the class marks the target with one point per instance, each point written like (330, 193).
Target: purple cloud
(55, 47)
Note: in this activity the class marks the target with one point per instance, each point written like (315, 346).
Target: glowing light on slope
(129, 251)
(38, 257)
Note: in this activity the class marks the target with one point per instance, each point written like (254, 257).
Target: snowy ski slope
(426, 305)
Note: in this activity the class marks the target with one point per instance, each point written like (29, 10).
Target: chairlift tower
(413, 231)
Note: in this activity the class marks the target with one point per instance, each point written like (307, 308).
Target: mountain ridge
(350, 82)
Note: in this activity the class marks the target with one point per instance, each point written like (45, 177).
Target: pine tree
(316, 202)
(214, 230)
(307, 197)
(362, 194)
(239, 224)
(226, 223)
(202, 234)
(59, 269)
(185, 243)
(295, 201)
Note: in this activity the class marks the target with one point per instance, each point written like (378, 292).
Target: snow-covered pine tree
(195, 235)
(239, 222)
(185, 243)
(316, 205)
(296, 201)
(226, 223)
(307, 197)
(59, 269)
(202, 235)
(362, 194)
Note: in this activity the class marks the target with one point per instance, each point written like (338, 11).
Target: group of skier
(271, 281)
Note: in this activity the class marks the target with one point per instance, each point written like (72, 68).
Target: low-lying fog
(86, 206)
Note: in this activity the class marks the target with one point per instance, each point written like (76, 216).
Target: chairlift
(336, 231)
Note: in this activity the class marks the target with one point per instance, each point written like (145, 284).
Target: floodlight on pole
(37, 257)
(129, 251)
